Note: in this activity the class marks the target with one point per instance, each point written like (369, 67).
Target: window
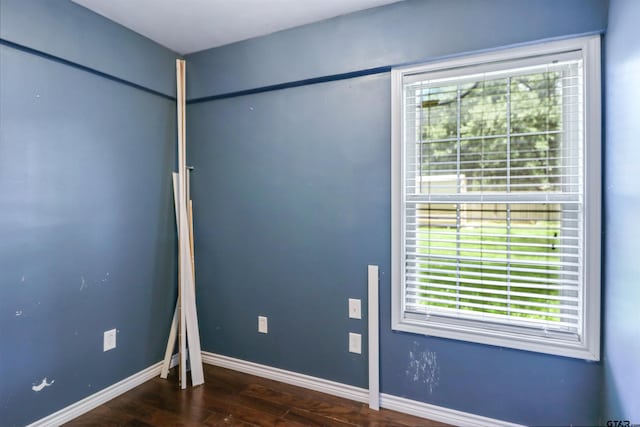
(496, 198)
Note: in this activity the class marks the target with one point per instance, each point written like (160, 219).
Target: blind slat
(463, 286)
(456, 263)
(516, 280)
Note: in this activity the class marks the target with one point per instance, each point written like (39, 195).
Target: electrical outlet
(263, 326)
(109, 341)
(355, 309)
(355, 343)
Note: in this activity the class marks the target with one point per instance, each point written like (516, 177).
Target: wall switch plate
(355, 343)
(109, 341)
(263, 326)
(355, 309)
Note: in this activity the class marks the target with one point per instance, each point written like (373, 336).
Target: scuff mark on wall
(86, 284)
(42, 385)
(18, 313)
(423, 367)
(22, 279)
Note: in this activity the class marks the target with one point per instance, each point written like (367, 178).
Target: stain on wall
(423, 367)
(42, 385)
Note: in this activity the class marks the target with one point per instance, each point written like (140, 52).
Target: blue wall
(622, 204)
(292, 193)
(409, 31)
(64, 29)
(87, 230)
(288, 216)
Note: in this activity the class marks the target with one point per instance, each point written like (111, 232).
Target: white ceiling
(187, 26)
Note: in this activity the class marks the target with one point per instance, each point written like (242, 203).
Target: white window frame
(588, 345)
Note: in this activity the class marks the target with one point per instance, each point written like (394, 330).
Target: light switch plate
(355, 343)
(355, 310)
(109, 340)
(263, 326)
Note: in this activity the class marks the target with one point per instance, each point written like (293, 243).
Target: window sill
(476, 333)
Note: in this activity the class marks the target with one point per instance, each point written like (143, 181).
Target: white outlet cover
(355, 343)
(109, 340)
(355, 310)
(263, 326)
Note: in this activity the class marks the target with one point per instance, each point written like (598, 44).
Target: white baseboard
(313, 383)
(91, 402)
(400, 404)
(440, 413)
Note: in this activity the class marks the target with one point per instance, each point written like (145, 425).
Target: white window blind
(493, 196)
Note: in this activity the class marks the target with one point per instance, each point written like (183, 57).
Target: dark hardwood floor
(230, 398)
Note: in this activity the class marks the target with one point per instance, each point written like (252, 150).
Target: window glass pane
(483, 108)
(438, 116)
(536, 163)
(483, 164)
(535, 102)
(504, 260)
(515, 133)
